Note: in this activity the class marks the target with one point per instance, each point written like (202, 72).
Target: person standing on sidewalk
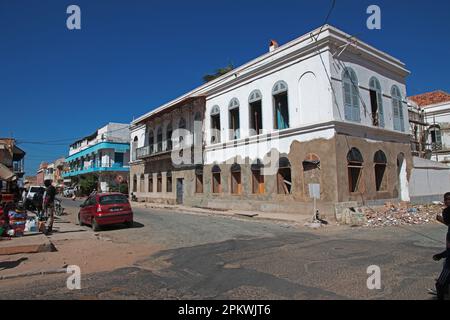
(49, 204)
(443, 281)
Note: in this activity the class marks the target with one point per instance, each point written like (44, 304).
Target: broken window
(311, 170)
(376, 101)
(142, 184)
(355, 165)
(159, 140)
(199, 180)
(215, 125)
(216, 183)
(150, 182)
(397, 108)
(380, 162)
(169, 137)
(284, 179)
(169, 182)
(436, 137)
(134, 183)
(281, 107)
(159, 183)
(236, 186)
(233, 110)
(351, 95)
(257, 178)
(255, 106)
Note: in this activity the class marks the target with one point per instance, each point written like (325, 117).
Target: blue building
(104, 154)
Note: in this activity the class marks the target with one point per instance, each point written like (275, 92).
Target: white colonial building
(325, 109)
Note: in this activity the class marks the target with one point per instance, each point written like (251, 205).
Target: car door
(84, 212)
(91, 208)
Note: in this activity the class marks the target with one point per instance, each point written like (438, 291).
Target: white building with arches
(324, 109)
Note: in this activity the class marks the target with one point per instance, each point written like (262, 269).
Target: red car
(105, 209)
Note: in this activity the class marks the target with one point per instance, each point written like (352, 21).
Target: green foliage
(88, 184)
(218, 73)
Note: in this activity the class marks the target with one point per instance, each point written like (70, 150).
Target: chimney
(273, 45)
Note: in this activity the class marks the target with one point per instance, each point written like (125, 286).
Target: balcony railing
(147, 151)
(436, 146)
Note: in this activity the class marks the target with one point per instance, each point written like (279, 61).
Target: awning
(5, 173)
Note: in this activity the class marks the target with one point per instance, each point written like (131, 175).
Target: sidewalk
(291, 218)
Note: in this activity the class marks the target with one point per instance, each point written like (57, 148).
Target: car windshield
(35, 189)
(113, 199)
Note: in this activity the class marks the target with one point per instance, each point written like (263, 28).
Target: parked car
(68, 192)
(102, 209)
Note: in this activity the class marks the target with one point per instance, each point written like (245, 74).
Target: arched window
(151, 141)
(135, 147)
(257, 177)
(169, 181)
(150, 182)
(216, 177)
(380, 163)
(281, 106)
(351, 95)
(376, 102)
(159, 182)
(215, 125)
(284, 178)
(236, 185)
(355, 163)
(233, 109)
(169, 131)
(436, 137)
(159, 140)
(311, 170)
(134, 183)
(255, 112)
(397, 109)
(142, 184)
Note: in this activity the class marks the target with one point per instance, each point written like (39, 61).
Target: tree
(88, 184)
(218, 73)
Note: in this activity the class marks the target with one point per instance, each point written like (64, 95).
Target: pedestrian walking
(443, 281)
(49, 204)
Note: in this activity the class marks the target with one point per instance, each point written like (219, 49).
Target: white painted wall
(429, 178)
(365, 70)
(313, 106)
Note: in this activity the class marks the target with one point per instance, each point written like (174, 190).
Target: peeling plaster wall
(368, 148)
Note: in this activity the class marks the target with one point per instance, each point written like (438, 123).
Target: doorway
(180, 190)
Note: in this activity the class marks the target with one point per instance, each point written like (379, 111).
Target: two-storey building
(104, 154)
(436, 107)
(325, 111)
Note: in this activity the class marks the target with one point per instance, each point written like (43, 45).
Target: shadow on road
(11, 264)
(114, 227)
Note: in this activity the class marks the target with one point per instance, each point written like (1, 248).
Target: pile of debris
(402, 214)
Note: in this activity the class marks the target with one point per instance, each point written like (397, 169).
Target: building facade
(436, 107)
(12, 165)
(104, 155)
(319, 112)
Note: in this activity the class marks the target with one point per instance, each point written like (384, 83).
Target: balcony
(96, 168)
(435, 146)
(145, 152)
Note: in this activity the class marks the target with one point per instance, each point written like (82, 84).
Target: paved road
(210, 257)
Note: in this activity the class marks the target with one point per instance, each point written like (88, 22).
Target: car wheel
(95, 225)
(80, 223)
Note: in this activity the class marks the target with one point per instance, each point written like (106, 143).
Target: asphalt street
(216, 257)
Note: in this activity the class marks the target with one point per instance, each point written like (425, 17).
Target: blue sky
(133, 55)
